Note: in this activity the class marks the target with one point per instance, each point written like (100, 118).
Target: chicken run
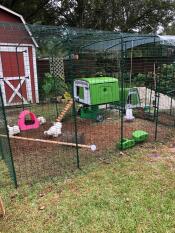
(98, 92)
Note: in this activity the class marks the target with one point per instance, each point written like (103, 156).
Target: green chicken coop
(95, 91)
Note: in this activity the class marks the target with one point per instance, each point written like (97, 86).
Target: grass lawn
(132, 192)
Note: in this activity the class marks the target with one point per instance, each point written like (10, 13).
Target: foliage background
(127, 16)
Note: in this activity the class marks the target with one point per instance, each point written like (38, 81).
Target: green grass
(129, 193)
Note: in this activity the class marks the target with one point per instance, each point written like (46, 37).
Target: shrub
(53, 86)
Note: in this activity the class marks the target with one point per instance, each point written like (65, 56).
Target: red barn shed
(18, 71)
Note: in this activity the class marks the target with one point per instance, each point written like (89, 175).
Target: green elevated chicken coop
(95, 91)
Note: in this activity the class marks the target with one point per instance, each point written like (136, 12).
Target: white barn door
(15, 79)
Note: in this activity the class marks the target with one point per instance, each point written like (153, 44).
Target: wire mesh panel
(97, 94)
(5, 148)
(34, 106)
(146, 67)
(36, 153)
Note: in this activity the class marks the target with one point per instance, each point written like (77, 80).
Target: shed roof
(22, 20)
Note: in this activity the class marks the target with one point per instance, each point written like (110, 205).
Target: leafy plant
(53, 86)
(165, 78)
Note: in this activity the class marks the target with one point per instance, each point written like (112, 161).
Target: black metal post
(76, 128)
(53, 71)
(1, 150)
(8, 142)
(157, 96)
(150, 97)
(171, 105)
(122, 93)
(145, 95)
(74, 108)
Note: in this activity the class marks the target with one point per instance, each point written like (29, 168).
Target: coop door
(81, 92)
(15, 75)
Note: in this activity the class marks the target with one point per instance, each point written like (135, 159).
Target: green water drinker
(126, 144)
(140, 136)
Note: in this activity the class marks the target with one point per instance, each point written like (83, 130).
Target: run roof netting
(79, 39)
(97, 40)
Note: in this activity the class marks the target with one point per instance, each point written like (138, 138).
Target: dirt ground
(34, 160)
(104, 135)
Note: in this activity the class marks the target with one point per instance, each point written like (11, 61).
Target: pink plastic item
(21, 121)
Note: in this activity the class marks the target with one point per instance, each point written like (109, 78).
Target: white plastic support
(129, 115)
(93, 147)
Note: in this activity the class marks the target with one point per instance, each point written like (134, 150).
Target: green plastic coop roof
(95, 80)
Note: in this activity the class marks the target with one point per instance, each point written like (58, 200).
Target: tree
(143, 15)
(127, 16)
